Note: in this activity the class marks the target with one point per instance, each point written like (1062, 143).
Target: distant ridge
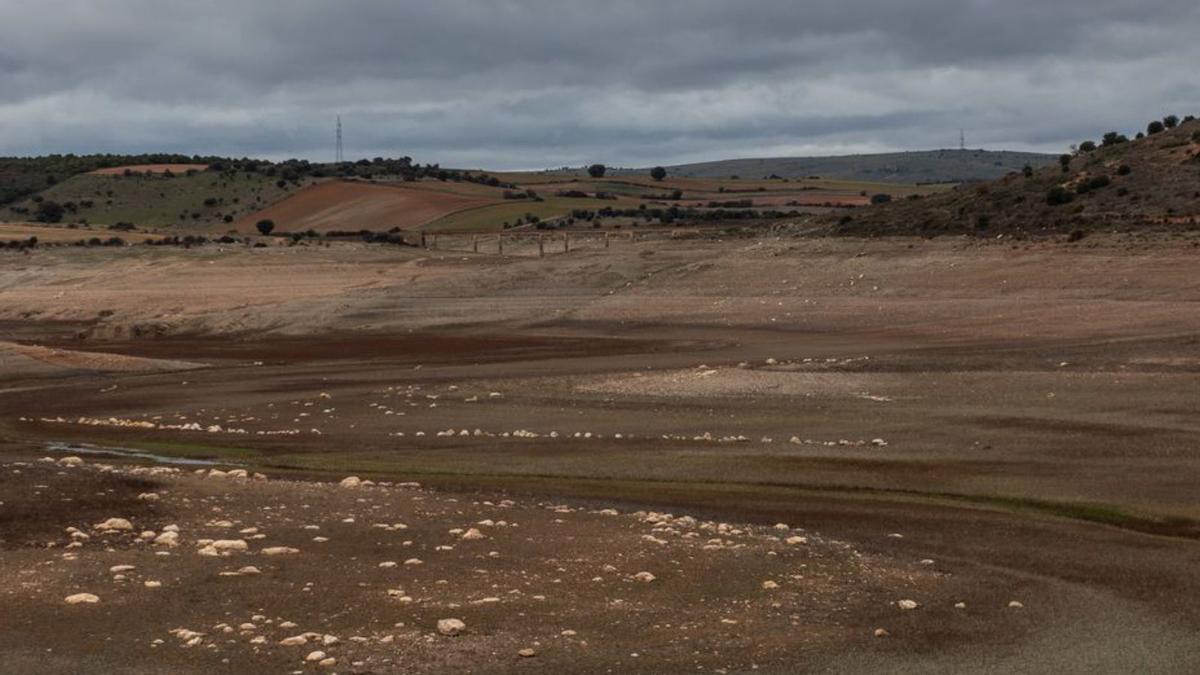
(929, 166)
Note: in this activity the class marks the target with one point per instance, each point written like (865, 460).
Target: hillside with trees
(1112, 183)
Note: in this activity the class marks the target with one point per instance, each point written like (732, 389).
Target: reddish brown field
(150, 168)
(341, 205)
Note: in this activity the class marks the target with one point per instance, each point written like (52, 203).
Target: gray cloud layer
(533, 83)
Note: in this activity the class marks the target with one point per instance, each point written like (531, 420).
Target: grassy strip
(340, 464)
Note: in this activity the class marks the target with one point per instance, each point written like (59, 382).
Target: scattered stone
(472, 534)
(644, 577)
(70, 461)
(1015, 605)
(451, 627)
(881, 633)
(908, 604)
(294, 641)
(317, 655)
(351, 482)
(527, 653)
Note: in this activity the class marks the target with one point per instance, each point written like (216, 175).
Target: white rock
(351, 482)
(907, 604)
(115, 524)
(280, 550)
(70, 461)
(82, 599)
(229, 545)
(644, 577)
(317, 655)
(450, 627)
(169, 538)
(472, 534)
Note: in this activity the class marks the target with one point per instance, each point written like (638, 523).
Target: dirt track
(1036, 406)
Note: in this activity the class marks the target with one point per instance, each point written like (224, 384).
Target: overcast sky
(540, 83)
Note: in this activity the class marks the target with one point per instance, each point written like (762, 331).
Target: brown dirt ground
(1038, 401)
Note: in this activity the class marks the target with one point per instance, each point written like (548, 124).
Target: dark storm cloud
(531, 83)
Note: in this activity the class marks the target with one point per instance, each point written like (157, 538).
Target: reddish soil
(343, 205)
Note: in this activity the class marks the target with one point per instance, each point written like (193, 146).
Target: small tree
(658, 173)
(1027, 171)
(265, 226)
(1087, 146)
(1170, 121)
(1065, 161)
(1155, 127)
(881, 198)
(49, 212)
(1113, 138)
(597, 170)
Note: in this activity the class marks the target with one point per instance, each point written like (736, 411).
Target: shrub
(658, 173)
(1027, 171)
(1065, 162)
(881, 198)
(49, 212)
(1087, 146)
(265, 226)
(1058, 195)
(1170, 121)
(597, 170)
(1155, 127)
(1124, 170)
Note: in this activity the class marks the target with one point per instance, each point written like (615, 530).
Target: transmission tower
(340, 156)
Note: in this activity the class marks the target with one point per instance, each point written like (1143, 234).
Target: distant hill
(1152, 181)
(932, 166)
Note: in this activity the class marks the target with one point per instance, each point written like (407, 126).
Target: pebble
(907, 604)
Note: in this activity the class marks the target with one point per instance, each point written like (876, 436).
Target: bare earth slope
(352, 206)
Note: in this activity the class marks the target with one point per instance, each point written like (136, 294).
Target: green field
(491, 218)
(157, 201)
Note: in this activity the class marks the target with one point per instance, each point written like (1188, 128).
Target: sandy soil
(354, 206)
(50, 234)
(1023, 414)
